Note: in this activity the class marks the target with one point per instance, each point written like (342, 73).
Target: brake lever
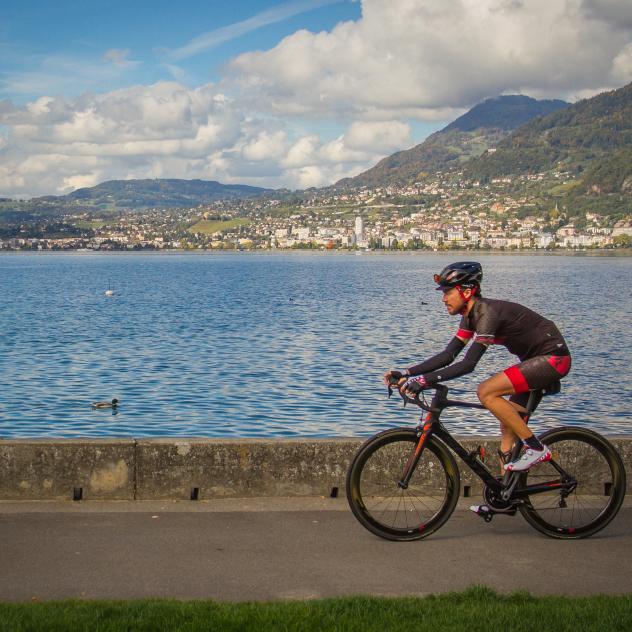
(390, 394)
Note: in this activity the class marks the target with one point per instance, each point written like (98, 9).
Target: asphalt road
(285, 549)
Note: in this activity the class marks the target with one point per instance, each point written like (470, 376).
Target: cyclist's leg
(532, 374)
(512, 422)
(508, 438)
(491, 394)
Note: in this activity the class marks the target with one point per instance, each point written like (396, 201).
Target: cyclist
(544, 357)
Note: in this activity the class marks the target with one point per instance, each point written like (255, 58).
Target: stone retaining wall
(185, 469)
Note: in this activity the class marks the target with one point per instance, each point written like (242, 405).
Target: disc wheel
(595, 495)
(387, 509)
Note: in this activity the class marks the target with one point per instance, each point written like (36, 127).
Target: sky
(295, 93)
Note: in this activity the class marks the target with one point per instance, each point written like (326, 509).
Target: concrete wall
(128, 469)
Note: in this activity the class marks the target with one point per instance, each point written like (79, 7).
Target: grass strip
(476, 609)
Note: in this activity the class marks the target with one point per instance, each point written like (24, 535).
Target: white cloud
(71, 183)
(52, 145)
(406, 57)
(266, 146)
(302, 152)
(622, 65)
(385, 135)
(212, 39)
(402, 60)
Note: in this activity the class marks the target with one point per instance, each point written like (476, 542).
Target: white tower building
(359, 228)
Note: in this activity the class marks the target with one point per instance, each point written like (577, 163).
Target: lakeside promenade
(269, 549)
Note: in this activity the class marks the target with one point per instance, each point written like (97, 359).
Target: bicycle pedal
(485, 512)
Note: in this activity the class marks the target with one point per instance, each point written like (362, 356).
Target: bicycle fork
(423, 433)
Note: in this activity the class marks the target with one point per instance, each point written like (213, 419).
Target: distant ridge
(133, 194)
(505, 113)
(469, 136)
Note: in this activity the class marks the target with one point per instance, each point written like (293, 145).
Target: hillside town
(443, 214)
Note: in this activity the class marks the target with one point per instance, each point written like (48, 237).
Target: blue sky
(42, 38)
(293, 93)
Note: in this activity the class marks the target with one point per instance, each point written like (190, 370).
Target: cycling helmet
(464, 274)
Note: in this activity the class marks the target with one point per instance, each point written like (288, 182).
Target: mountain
(589, 132)
(132, 194)
(505, 113)
(467, 137)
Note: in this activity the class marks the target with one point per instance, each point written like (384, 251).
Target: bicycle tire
(601, 485)
(389, 511)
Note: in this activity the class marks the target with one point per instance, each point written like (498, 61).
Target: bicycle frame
(507, 487)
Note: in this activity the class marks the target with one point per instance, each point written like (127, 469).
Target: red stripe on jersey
(517, 380)
(465, 334)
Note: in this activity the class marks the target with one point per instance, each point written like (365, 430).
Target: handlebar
(393, 382)
(439, 400)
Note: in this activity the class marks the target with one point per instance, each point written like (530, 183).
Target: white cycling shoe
(529, 458)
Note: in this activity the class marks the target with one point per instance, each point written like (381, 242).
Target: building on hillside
(359, 228)
(622, 227)
(544, 240)
(566, 231)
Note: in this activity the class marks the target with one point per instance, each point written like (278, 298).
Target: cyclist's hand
(394, 378)
(414, 386)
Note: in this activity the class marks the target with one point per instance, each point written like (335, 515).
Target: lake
(281, 345)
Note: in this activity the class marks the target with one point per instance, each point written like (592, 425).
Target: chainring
(492, 499)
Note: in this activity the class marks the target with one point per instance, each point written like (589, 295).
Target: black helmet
(462, 273)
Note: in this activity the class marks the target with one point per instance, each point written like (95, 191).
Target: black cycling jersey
(524, 332)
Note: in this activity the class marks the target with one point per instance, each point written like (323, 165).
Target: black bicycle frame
(431, 425)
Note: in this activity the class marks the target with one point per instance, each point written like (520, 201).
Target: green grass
(476, 609)
(208, 226)
(564, 187)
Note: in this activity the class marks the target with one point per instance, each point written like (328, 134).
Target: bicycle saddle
(552, 389)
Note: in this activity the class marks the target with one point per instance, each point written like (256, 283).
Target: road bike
(404, 483)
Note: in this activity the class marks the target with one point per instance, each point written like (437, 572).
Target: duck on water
(112, 404)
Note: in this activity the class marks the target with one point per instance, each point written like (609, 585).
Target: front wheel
(382, 505)
(597, 485)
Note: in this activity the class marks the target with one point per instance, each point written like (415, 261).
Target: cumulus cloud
(53, 145)
(388, 135)
(266, 146)
(407, 58)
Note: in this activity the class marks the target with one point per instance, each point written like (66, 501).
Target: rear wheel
(592, 502)
(387, 509)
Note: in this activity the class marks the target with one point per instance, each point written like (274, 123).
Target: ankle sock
(533, 443)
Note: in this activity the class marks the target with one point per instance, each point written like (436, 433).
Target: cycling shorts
(538, 372)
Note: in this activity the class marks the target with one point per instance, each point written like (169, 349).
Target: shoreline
(601, 252)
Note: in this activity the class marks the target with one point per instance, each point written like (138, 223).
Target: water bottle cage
(479, 452)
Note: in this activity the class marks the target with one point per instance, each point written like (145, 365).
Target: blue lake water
(280, 345)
